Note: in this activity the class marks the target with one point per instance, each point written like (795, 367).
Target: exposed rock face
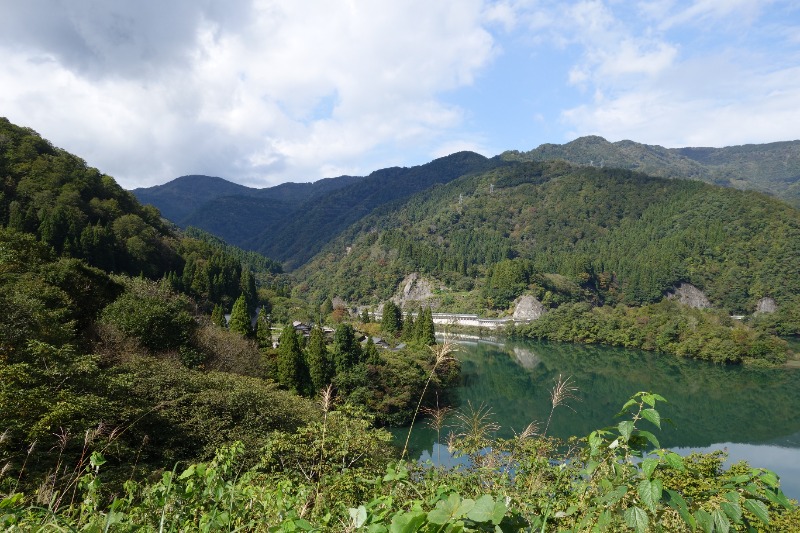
(688, 294)
(528, 307)
(415, 288)
(766, 305)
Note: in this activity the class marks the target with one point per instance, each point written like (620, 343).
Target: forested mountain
(570, 233)
(292, 221)
(773, 168)
(234, 212)
(320, 220)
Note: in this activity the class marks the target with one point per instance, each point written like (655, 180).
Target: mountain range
(292, 222)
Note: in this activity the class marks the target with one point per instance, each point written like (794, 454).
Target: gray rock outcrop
(688, 294)
(415, 288)
(766, 305)
(527, 307)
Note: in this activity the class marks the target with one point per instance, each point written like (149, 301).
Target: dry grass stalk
(442, 354)
(562, 391)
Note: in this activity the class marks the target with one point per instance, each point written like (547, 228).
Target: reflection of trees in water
(708, 403)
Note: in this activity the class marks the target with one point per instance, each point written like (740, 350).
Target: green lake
(753, 414)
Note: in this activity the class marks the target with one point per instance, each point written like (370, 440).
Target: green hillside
(773, 168)
(123, 407)
(609, 236)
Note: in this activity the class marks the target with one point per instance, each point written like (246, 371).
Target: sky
(260, 92)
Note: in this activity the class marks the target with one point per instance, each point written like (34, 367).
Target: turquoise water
(751, 413)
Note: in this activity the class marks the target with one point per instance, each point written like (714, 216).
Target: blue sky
(265, 91)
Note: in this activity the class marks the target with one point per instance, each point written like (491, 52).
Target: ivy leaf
(759, 509)
(636, 518)
(651, 415)
(650, 492)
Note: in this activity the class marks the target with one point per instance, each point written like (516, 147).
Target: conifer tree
(218, 317)
(320, 367)
(426, 333)
(365, 319)
(240, 318)
(248, 288)
(371, 355)
(409, 327)
(291, 366)
(263, 329)
(346, 350)
(392, 321)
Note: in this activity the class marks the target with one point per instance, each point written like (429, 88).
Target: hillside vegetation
(124, 407)
(621, 236)
(772, 168)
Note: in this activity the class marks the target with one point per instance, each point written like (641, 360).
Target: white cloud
(268, 90)
(705, 89)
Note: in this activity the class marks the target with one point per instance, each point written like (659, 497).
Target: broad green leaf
(359, 516)
(757, 508)
(676, 501)
(650, 437)
(482, 510)
(721, 522)
(704, 520)
(659, 398)
(649, 466)
(407, 522)
(777, 497)
(630, 403)
(649, 399)
(651, 415)
(650, 492)
(733, 510)
(636, 518)
(675, 461)
(625, 429)
(499, 511)
(733, 496)
(769, 478)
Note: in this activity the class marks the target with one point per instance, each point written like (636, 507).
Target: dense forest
(772, 168)
(128, 401)
(568, 235)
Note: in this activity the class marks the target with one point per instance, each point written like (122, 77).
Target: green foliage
(218, 317)
(292, 370)
(263, 329)
(151, 313)
(346, 350)
(392, 319)
(337, 474)
(320, 365)
(240, 321)
(568, 234)
(424, 332)
(666, 326)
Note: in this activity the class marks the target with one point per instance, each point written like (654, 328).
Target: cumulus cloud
(260, 91)
(682, 75)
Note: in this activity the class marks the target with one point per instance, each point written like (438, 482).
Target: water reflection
(752, 412)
